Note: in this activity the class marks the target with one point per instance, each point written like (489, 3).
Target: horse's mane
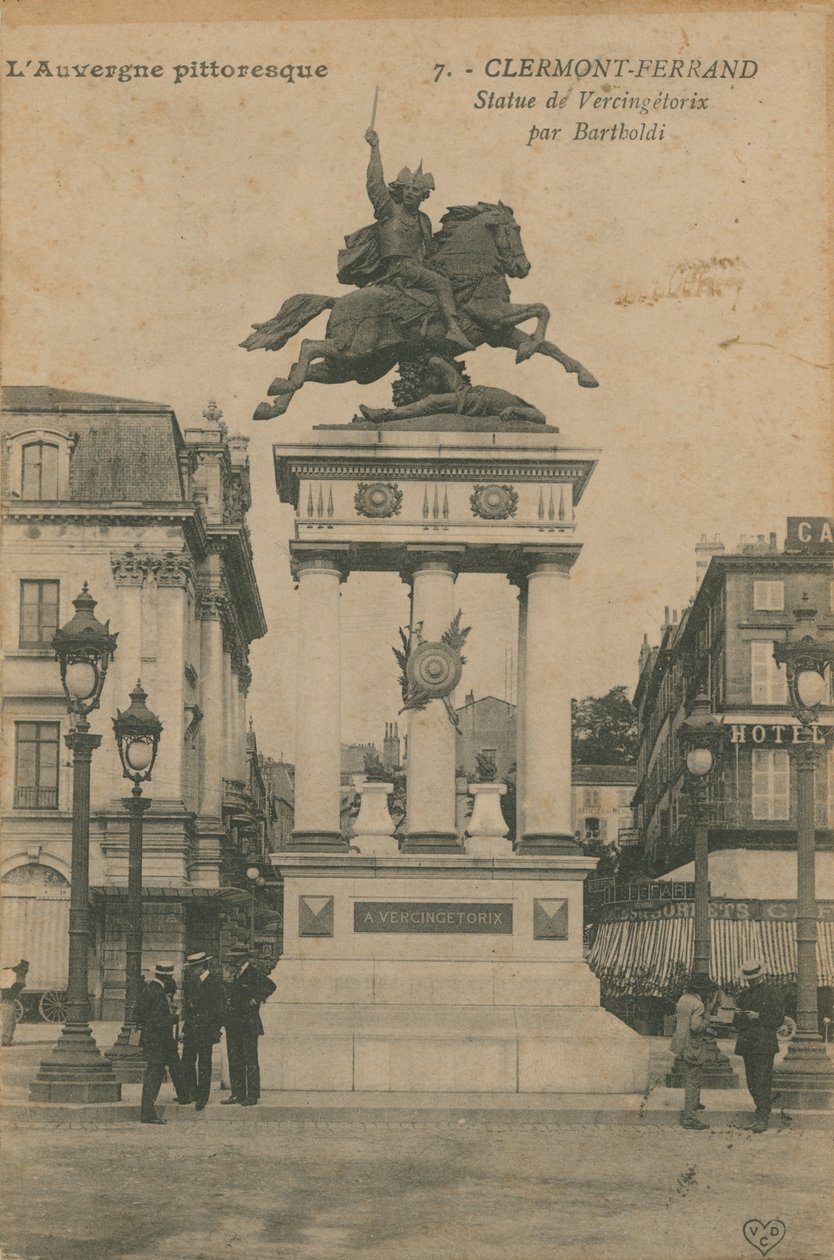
(456, 215)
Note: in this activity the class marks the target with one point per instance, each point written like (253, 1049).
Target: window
(36, 765)
(38, 612)
(590, 797)
(824, 790)
(40, 471)
(768, 683)
(771, 784)
(596, 829)
(768, 596)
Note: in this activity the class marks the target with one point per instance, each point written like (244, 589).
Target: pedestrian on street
(157, 1017)
(203, 1011)
(691, 1043)
(759, 1012)
(12, 983)
(247, 991)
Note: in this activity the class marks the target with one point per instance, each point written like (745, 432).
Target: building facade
(602, 812)
(111, 491)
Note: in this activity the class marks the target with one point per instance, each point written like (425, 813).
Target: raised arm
(377, 191)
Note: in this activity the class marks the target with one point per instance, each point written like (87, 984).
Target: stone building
(723, 645)
(602, 797)
(487, 727)
(112, 492)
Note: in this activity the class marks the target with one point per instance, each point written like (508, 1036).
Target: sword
(373, 107)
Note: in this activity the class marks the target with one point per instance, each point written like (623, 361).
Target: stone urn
(373, 826)
(486, 831)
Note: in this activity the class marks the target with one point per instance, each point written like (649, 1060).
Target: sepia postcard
(417, 623)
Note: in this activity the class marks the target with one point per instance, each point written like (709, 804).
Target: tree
(604, 730)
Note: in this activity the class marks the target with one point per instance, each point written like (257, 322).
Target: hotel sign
(777, 734)
(492, 918)
(813, 535)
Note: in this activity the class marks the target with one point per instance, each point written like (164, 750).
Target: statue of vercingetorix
(397, 246)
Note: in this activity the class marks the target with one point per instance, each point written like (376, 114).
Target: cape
(360, 262)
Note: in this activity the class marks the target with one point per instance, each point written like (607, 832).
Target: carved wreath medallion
(493, 502)
(378, 498)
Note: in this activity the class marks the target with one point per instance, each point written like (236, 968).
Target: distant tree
(604, 730)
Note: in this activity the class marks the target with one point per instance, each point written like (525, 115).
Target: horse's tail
(293, 315)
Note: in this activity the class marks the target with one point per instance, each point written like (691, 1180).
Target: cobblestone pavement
(461, 1190)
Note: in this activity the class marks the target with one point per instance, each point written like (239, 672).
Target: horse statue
(372, 328)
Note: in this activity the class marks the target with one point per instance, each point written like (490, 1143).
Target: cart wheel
(52, 1007)
(18, 1009)
(787, 1032)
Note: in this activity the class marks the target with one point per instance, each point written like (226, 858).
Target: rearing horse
(371, 328)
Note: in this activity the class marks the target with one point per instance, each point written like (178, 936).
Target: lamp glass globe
(699, 762)
(811, 688)
(81, 680)
(138, 755)
(252, 873)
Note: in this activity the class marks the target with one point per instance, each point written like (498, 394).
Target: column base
(805, 1078)
(127, 1060)
(547, 843)
(317, 842)
(716, 1073)
(76, 1072)
(432, 842)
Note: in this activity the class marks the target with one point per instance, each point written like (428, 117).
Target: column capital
(528, 560)
(130, 568)
(310, 557)
(444, 557)
(212, 605)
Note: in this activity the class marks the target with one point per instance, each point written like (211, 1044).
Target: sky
(148, 224)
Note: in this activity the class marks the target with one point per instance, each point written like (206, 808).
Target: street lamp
(806, 1075)
(137, 731)
(256, 880)
(76, 1071)
(701, 737)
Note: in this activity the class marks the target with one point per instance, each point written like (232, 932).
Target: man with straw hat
(759, 1013)
(157, 1017)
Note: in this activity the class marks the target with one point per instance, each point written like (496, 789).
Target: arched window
(39, 477)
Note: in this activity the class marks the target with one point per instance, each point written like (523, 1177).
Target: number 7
(438, 71)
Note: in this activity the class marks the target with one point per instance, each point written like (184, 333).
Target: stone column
(129, 572)
(521, 708)
(431, 821)
(168, 696)
(318, 727)
(545, 732)
(210, 609)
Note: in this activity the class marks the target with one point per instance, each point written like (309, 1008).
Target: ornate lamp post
(76, 1071)
(701, 737)
(137, 731)
(806, 1076)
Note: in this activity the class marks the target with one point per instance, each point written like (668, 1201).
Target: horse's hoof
(525, 352)
(280, 386)
(587, 379)
(263, 411)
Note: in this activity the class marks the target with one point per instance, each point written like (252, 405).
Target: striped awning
(641, 956)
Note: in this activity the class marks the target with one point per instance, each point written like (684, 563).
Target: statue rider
(401, 241)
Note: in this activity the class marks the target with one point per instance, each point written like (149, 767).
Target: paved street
(462, 1190)
(514, 1186)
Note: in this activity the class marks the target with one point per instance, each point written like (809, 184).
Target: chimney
(704, 551)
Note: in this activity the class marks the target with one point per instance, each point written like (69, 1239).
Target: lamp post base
(716, 1073)
(76, 1071)
(805, 1077)
(127, 1060)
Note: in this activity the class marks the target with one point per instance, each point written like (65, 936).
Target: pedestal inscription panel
(433, 916)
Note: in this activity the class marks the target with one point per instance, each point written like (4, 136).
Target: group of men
(759, 1013)
(207, 1006)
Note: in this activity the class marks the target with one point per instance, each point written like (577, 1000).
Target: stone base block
(75, 1091)
(455, 1049)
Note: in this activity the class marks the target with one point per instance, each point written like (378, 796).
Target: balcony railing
(35, 798)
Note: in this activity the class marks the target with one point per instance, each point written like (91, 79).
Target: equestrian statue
(418, 295)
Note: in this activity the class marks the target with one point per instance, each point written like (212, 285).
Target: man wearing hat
(759, 1012)
(247, 991)
(692, 1029)
(156, 1017)
(12, 983)
(203, 1009)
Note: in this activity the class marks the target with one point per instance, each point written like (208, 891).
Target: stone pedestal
(442, 973)
(374, 827)
(486, 831)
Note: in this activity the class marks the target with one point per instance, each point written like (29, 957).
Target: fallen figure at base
(457, 398)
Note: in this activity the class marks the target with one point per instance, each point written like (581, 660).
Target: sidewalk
(725, 1109)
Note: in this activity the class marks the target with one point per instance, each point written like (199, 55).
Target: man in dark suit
(156, 1016)
(203, 1010)
(759, 1013)
(247, 991)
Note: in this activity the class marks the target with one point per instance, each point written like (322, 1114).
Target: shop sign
(813, 535)
(739, 911)
(778, 734)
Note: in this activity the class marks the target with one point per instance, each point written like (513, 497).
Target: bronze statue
(456, 395)
(417, 293)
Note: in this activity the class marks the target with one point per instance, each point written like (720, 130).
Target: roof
(483, 700)
(125, 451)
(280, 781)
(46, 398)
(756, 874)
(626, 775)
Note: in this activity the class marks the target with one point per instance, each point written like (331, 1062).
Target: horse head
(481, 232)
(507, 235)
